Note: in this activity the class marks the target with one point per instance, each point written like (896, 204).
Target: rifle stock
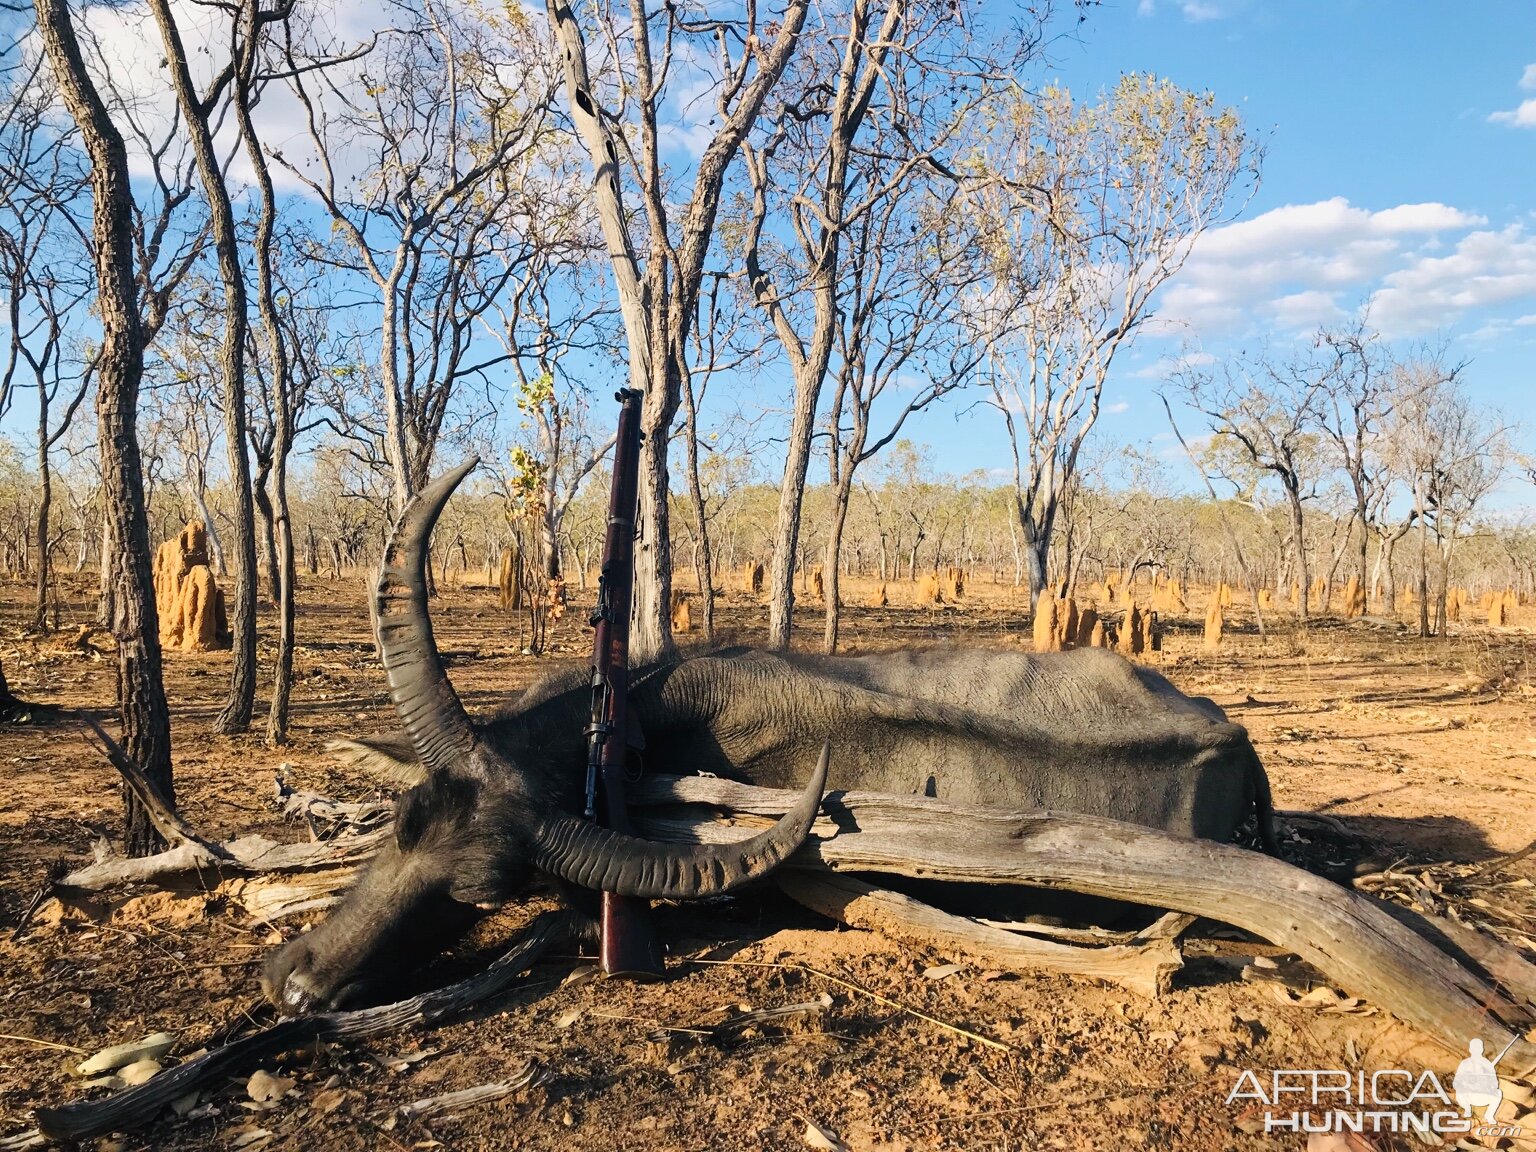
(627, 944)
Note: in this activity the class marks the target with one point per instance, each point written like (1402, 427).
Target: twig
(532, 1073)
(1503, 861)
(42, 1043)
(997, 1045)
(1317, 818)
(161, 813)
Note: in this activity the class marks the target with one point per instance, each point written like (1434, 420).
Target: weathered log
(138, 1105)
(246, 856)
(1339, 932)
(1145, 968)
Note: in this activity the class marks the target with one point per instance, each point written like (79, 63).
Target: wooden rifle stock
(628, 946)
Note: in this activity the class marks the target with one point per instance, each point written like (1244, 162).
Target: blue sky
(1400, 168)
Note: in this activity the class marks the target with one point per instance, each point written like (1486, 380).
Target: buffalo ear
(390, 758)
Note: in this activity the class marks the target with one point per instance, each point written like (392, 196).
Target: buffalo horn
(429, 708)
(594, 857)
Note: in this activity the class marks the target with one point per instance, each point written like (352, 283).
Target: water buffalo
(493, 803)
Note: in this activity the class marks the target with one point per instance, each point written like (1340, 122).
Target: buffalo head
(471, 834)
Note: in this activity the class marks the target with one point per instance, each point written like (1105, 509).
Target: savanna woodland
(1148, 556)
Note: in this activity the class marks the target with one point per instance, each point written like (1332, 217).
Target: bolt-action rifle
(627, 946)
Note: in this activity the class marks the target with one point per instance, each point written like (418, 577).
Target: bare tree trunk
(44, 504)
(119, 369)
(236, 716)
(704, 559)
(268, 524)
(1423, 573)
(781, 569)
(840, 500)
(104, 598)
(1303, 573)
(210, 525)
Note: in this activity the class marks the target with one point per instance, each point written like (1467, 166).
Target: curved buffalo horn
(429, 707)
(594, 857)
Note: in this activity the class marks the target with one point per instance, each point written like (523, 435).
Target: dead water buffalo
(494, 802)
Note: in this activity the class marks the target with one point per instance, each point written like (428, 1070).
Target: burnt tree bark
(119, 370)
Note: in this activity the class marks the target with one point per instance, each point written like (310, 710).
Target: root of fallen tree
(1448, 981)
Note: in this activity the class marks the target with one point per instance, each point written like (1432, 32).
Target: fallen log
(1145, 967)
(1344, 935)
(245, 856)
(1337, 931)
(138, 1105)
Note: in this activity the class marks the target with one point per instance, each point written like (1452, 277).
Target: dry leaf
(567, 1018)
(139, 1071)
(327, 1102)
(403, 1062)
(815, 1136)
(152, 1047)
(576, 977)
(263, 1087)
(244, 1137)
(941, 971)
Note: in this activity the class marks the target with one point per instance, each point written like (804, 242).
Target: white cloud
(1306, 309)
(1526, 321)
(1486, 268)
(1146, 7)
(1300, 264)
(1196, 12)
(1165, 367)
(1118, 407)
(1521, 117)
